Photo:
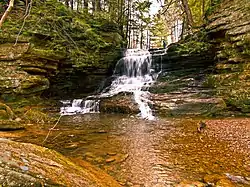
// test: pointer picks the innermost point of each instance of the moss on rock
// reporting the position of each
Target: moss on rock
(55, 46)
(24, 164)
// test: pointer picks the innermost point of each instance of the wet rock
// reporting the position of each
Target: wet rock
(12, 178)
(18, 119)
(191, 183)
(89, 154)
(111, 159)
(117, 158)
(111, 153)
(192, 103)
(10, 125)
(247, 166)
(99, 159)
(237, 179)
(122, 157)
(24, 164)
(213, 178)
(101, 131)
(71, 145)
(121, 103)
(224, 183)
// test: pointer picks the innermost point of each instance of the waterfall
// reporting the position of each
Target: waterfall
(132, 74)
(80, 106)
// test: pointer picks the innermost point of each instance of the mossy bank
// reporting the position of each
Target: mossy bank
(54, 52)
(207, 73)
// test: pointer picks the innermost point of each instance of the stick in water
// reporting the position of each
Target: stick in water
(51, 129)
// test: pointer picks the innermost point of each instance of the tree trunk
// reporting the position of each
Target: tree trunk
(93, 6)
(78, 5)
(127, 36)
(183, 28)
(98, 5)
(72, 4)
(187, 12)
(121, 18)
(6, 13)
(86, 4)
(141, 42)
(67, 3)
(203, 8)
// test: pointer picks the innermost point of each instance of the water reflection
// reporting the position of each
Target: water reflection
(145, 153)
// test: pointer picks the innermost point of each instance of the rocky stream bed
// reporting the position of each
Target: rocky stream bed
(165, 152)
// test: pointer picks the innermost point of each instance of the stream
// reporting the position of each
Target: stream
(139, 152)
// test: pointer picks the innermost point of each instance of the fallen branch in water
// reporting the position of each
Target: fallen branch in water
(51, 129)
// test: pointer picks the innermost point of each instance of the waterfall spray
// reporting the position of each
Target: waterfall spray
(133, 73)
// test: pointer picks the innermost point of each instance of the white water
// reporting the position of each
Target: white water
(132, 74)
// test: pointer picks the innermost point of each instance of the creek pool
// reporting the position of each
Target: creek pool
(138, 152)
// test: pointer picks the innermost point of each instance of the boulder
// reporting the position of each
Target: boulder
(121, 103)
(23, 164)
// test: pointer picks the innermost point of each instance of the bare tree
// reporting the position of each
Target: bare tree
(86, 4)
(98, 5)
(188, 13)
(72, 4)
(6, 13)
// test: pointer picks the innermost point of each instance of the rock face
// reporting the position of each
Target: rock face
(180, 90)
(23, 164)
(63, 55)
(21, 75)
(209, 71)
(229, 32)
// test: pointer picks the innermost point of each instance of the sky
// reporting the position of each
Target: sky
(154, 7)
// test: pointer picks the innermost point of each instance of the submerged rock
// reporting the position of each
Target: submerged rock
(191, 183)
(23, 164)
(224, 183)
(213, 178)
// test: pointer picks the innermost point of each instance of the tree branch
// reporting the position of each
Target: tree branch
(27, 13)
(166, 7)
(6, 13)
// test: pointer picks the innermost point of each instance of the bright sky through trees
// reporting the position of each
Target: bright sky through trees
(154, 8)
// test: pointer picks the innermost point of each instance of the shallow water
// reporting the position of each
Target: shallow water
(144, 153)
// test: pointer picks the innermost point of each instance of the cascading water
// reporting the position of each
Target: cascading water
(132, 74)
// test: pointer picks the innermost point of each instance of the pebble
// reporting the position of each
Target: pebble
(111, 159)
(111, 153)
(101, 131)
(18, 119)
(24, 168)
(89, 154)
